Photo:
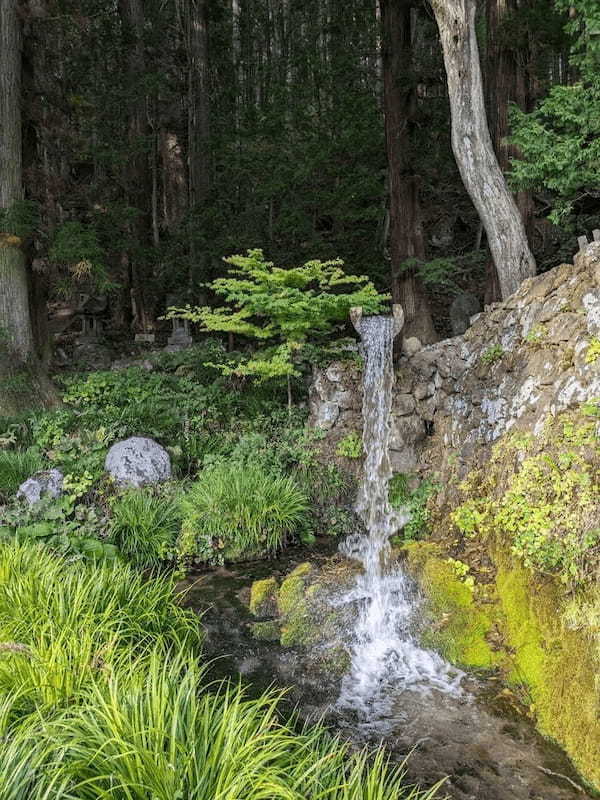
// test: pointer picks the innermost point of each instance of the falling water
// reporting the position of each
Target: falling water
(385, 656)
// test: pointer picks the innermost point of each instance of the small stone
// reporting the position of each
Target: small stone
(138, 461)
(411, 346)
(325, 415)
(46, 483)
(403, 404)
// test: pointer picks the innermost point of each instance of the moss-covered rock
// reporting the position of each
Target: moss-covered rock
(460, 625)
(267, 631)
(263, 598)
(516, 623)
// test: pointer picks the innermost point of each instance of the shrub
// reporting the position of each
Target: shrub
(15, 467)
(350, 446)
(68, 529)
(239, 510)
(144, 526)
(415, 501)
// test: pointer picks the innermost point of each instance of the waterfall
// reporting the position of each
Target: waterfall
(385, 656)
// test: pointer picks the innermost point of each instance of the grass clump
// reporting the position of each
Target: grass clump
(103, 697)
(144, 526)
(238, 510)
(15, 467)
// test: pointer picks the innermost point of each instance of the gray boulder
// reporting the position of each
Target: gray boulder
(138, 461)
(46, 483)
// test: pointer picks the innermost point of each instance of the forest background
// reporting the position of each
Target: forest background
(159, 137)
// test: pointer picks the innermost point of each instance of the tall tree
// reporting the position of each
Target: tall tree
(507, 80)
(139, 180)
(472, 145)
(15, 321)
(407, 241)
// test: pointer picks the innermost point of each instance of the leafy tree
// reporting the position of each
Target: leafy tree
(560, 139)
(282, 307)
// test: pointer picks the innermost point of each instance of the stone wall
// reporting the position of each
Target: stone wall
(520, 361)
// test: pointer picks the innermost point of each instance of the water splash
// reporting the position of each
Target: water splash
(385, 655)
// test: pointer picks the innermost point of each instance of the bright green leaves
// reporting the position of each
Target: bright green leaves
(288, 307)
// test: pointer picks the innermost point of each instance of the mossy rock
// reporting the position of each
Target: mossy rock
(266, 631)
(460, 628)
(263, 598)
(559, 666)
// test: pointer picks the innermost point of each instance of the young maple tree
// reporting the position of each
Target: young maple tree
(282, 308)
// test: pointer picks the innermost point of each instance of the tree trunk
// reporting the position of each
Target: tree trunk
(507, 81)
(198, 125)
(15, 322)
(406, 229)
(139, 178)
(472, 145)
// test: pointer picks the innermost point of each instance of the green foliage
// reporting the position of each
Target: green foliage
(559, 141)
(103, 697)
(238, 510)
(77, 247)
(144, 525)
(548, 508)
(63, 624)
(350, 446)
(536, 335)
(593, 351)
(15, 467)
(415, 501)
(21, 219)
(283, 306)
(61, 525)
(492, 354)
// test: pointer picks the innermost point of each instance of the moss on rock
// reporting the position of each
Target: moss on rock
(266, 631)
(558, 665)
(263, 598)
(460, 626)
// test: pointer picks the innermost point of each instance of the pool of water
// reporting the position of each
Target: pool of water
(480, 737)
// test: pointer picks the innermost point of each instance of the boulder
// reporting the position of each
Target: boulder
(138, 461)
(46, 483)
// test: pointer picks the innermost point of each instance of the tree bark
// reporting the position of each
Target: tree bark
(406, 228)
(15, 321)
(199, 166)
(472, 145)
(507, 80)
(139, 182)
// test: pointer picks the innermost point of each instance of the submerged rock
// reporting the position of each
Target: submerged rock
(138, 461)
(46, 483)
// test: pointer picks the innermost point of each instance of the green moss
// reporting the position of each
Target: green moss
(558, 665)
(266, 631)
(298, 627)
(459, 625)
(263, 597)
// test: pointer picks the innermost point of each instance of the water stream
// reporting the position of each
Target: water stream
(385, 655)
(469, 729)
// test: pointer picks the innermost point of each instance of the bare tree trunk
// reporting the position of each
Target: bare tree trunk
(472, 145)
(15, 321)
(406, 228)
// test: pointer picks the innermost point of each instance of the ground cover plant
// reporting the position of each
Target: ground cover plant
(103, 697)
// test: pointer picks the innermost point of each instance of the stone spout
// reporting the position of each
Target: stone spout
(356, 314)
